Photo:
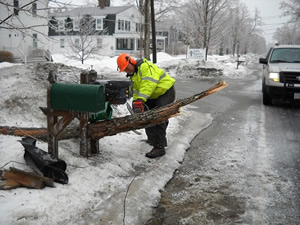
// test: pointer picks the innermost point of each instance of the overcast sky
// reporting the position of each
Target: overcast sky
(269, 11)
(271, 15)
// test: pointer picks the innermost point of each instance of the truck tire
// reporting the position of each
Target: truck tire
(267, 100)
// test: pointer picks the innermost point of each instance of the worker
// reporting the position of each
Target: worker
(152, 88)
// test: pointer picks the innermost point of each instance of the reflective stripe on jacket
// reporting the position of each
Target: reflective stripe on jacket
(150, 81)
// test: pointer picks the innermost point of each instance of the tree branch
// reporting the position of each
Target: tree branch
(11, 15)
(148, 118)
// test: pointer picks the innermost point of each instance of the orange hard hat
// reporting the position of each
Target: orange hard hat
(123, 61)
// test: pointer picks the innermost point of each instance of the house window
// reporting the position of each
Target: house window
(99, 24)
(77, 42)
(34, 7)
(16, 7)
(127, 25)
(61, 25)
(62, 43)
(137, 27)
(76, 25)
(160, 44)
(99, 42)
(122, 24)
(34, 41)
(68, 24)
(125, 44)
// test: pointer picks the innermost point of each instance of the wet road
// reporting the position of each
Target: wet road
(244, 168)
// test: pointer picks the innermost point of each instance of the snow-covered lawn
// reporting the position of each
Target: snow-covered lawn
(118, 186)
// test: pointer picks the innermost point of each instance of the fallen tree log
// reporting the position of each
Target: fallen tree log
(147, 119)
(117, 125)
(38, 133)
(17, 131)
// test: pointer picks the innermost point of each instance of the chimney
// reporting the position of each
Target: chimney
(104, 3)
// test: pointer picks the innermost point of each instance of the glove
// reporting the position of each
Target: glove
(138, 106)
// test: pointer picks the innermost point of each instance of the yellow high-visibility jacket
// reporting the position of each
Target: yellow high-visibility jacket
(150, 82)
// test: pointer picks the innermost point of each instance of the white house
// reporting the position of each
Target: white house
(116, 29)
(24, 27)
(25, 30)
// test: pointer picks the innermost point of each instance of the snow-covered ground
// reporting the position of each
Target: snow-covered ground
(118, 186)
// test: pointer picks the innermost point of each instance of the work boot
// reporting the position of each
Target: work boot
(156, 152)
(152, 143)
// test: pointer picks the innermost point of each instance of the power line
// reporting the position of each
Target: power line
(274, 24)
(273, 17)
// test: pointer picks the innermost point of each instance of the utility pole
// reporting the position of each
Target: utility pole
(147, 29)
(153, 32)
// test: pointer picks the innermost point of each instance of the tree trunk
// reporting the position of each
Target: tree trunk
(39, 133)
(148, 118)
(111, 127)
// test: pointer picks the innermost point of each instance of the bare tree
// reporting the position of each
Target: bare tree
(13, 22)
(257, 44)
(141, 8)
(86, 41)
(147, 29)
(252, 34)
(205, 14)
(240, 26)
(186, 27)
(162, 8)
(290, 32)
(236, 32)
(291, 8)
(165, 8)
(225, 26)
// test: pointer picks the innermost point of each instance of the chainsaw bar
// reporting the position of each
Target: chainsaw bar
(131, 112)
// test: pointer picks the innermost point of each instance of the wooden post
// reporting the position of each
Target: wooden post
(84, 77)
(51, 121)
(88, 145)
(84, 140)
(54, 127)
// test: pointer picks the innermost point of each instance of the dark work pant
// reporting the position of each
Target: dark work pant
(157, 134)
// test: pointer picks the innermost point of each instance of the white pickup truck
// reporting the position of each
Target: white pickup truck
(281, 73)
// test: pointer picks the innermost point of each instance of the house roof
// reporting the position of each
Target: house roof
(94, 11)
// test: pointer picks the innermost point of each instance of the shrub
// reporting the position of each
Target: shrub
(6, 56)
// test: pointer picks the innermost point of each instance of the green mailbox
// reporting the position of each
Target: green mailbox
(78, 97)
